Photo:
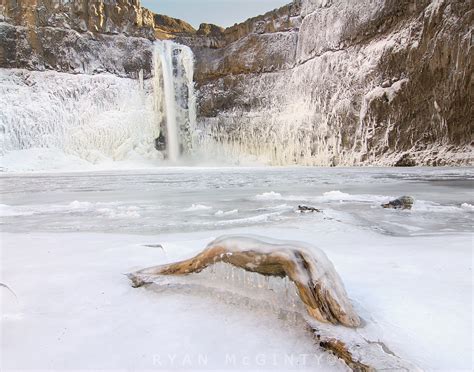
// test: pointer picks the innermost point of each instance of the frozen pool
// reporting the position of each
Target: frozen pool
(193, 199)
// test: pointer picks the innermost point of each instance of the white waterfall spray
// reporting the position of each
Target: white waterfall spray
(174, 68)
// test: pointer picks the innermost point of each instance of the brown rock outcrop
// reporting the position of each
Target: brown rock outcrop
(119, 16)
(168, 27)
(87, 36)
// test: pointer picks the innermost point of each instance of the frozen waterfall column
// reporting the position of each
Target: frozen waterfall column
(319, 286)
(174, 70)
(164, 53)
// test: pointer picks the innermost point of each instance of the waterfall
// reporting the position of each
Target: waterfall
(174, 69)
(99, 118)
(165, 54)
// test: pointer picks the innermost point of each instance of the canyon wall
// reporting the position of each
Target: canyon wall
(79, 36)
(340, 82)
(316, 82)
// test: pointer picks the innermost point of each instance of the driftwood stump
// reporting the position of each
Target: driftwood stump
(318, 284)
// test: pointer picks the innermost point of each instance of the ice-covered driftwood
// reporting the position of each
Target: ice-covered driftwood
(318, 284)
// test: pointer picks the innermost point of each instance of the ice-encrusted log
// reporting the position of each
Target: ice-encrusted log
(318, 284)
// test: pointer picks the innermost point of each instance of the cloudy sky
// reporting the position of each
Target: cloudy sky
(221, 12)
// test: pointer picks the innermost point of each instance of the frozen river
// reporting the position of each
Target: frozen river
(68, 237)
(189, 199)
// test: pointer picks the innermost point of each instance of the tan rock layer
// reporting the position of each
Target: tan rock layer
(119, 16)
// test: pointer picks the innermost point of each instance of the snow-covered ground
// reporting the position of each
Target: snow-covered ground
(68, 238)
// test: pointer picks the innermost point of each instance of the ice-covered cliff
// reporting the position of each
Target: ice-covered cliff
(320, 82)
(86, 79)
(341, 82)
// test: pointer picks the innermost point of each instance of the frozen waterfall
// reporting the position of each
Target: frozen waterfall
(175, 62)
(68, 120)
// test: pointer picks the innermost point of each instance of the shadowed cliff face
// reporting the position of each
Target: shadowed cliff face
(338, 82)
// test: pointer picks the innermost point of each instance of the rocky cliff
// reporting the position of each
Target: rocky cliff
(86, 80)
(321, 82)
(86, 36)
(75, 83)
(341, 82)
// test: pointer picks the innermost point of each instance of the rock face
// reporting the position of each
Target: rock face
(77, 78)
(340, 82)
(320, 82)
(168, 27)
(87, 36)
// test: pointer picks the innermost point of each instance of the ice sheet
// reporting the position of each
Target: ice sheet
(64, 250)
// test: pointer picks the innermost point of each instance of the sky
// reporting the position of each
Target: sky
(220, 12)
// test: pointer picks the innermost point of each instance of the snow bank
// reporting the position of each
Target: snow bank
(198, 207)
(269, 196)
(221, 213)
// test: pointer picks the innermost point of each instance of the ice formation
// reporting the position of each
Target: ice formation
(329, 84)
(233, 284)
(176, 63)
(317, 283)
(90, 116)
(100, 117)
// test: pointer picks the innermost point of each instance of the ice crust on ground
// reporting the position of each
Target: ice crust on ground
(271, 195)
(67, 273)
(198, 207)
(221, 213)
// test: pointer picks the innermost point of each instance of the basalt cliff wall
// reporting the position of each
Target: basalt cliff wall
(340, 82)
(320, 82)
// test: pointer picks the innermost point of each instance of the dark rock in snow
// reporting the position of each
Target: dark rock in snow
(306, 209)
(403, 202)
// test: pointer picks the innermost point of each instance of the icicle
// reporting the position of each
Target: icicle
(94, 117)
